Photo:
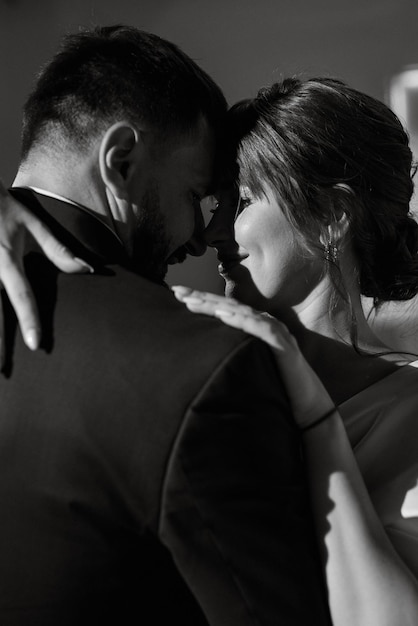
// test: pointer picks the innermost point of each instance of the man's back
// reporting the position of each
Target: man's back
(143, 448)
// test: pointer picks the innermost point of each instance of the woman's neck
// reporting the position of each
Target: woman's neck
(338, 342)
(327, 313)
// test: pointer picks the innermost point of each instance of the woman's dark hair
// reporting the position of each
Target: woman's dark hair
(119, 72)
(324, 148)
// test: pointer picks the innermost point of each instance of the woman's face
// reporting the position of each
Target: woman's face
(261, 258)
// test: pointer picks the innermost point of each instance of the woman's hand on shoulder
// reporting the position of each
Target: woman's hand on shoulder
(19, 229)
(307, 395)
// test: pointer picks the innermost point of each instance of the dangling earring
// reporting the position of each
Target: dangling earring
(331, 251)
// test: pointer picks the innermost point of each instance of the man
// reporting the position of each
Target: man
(149, 465)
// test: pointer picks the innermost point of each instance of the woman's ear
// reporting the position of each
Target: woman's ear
(118, 157)
(344, 198)
(336, 230)
(340, 197)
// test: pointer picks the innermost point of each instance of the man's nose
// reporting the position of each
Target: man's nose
(221, 227)
(216, 231)
(196, 246)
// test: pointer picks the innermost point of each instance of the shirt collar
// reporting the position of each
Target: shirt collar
(84, 232)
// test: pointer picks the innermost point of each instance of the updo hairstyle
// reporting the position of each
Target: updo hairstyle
(324, 149)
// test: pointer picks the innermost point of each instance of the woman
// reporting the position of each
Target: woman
(323, 219)
(324, 182)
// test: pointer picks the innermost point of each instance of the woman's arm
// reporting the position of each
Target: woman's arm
(19, 230)
(368, 584)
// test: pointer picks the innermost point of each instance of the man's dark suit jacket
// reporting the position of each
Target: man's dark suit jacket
(149, 467)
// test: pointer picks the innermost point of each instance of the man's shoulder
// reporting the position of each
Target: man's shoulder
(141, 314)
(165, 347)
(142, 327)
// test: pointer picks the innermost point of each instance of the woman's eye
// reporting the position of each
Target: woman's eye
(243, 202)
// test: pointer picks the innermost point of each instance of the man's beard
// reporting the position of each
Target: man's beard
(151, 243)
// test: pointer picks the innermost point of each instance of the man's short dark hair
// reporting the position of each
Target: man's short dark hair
(118, 72)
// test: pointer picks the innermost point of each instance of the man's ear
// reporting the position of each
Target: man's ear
(118, 157)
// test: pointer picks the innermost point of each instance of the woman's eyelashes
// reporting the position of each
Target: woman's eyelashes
(215, 204)
(243, 202)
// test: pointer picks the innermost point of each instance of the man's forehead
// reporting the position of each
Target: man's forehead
(195, 158)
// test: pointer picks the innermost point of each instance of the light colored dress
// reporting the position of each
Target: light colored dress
(382, 424)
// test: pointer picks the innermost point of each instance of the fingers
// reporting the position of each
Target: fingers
(205, 301)
(237, 315)
(187, 294)
(258, 325)
(56, 252)
(15, 222)
(21, 297)
(209, 303)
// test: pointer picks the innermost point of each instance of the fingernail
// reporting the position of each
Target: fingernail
(192, 300)
(84, 265)
(223, 313)
(32, 338)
